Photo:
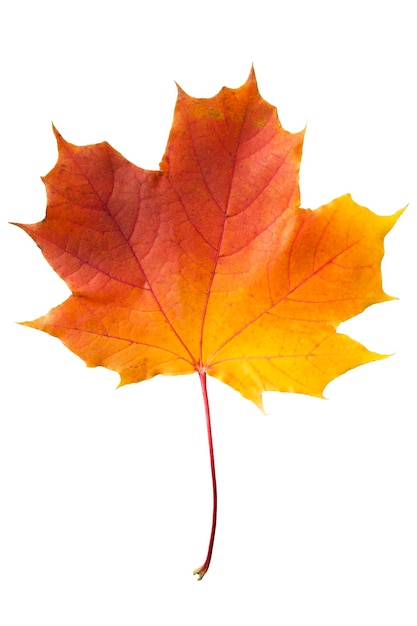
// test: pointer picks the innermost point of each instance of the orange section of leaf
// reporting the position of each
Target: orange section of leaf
(209, 264)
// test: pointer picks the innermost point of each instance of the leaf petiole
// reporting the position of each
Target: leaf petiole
(202, 570)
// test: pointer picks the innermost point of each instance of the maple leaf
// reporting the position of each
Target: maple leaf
(209, 265)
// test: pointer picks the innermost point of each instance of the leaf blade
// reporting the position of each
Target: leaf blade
(209, 264)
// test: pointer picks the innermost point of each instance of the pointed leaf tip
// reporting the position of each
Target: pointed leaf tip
(252, 74)
(56, 131)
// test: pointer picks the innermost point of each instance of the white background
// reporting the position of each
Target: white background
(105, 494)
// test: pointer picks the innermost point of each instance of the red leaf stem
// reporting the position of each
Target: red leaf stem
(202, 570)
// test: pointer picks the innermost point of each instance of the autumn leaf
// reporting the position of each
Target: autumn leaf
(209, 265)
